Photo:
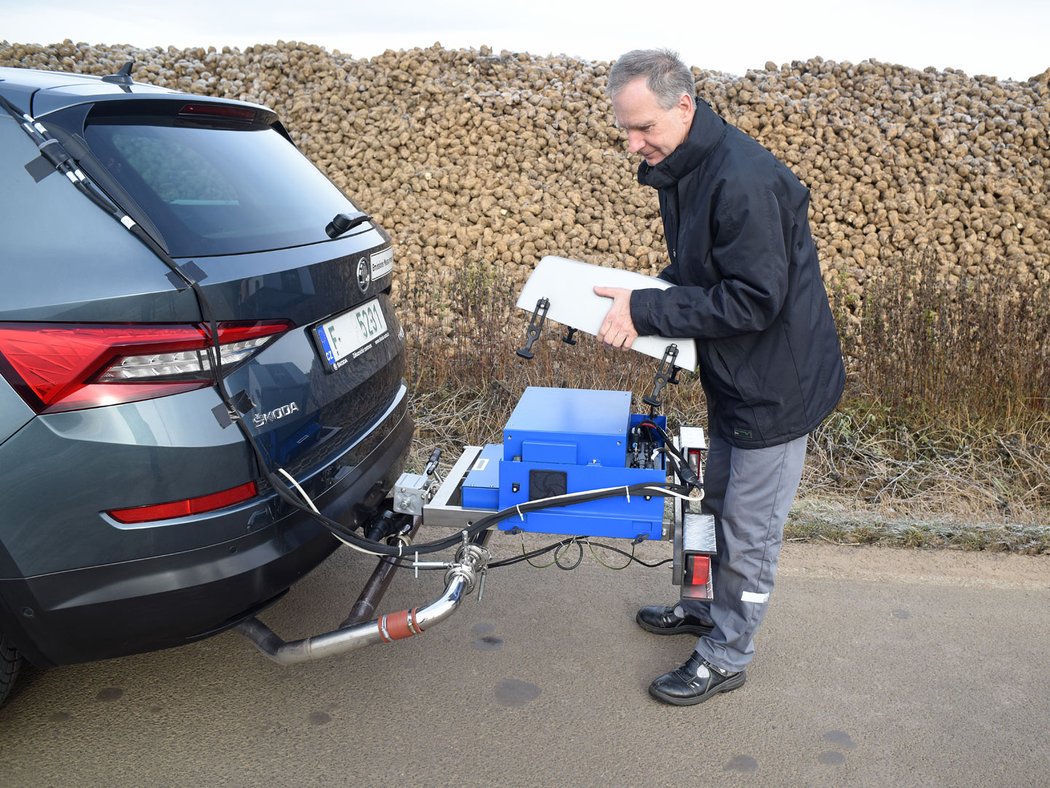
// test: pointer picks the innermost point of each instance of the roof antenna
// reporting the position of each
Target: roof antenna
(122, 77)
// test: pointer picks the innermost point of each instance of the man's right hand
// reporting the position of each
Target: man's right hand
(617, 328)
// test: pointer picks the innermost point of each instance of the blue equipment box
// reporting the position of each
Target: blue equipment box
(481, 485)
(560, 441)
(569, 427)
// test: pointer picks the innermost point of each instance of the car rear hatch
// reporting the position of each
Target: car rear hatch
(243, 214)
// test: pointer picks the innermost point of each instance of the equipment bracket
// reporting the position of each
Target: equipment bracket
(532, 333)
(666, 372)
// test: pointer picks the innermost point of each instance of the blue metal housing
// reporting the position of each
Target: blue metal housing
(573, 440)
(481, 485)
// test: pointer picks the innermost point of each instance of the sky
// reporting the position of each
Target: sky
(1010, 42)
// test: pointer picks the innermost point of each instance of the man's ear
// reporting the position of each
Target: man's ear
(685, 104)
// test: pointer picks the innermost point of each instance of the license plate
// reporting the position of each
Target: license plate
(347, 336)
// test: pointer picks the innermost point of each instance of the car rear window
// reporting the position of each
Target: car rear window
(215, 189)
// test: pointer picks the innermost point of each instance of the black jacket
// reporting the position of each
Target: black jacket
(750, 287)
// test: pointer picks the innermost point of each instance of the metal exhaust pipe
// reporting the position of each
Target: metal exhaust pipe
(371, 595)
(460, 580)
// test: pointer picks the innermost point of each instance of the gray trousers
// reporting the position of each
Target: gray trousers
(749, 492)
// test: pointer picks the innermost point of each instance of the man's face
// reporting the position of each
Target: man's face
(652, 131)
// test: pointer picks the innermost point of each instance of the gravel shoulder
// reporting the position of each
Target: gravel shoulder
(956, 568)
(970, 569)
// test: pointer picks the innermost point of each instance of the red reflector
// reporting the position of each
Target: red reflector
(698, 569)
(204, 503)
(695, 460)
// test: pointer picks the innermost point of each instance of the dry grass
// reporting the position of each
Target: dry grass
(965, 354)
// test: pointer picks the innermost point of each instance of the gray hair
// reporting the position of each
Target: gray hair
(665, 75)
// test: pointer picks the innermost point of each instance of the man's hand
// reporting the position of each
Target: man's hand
(617, 328)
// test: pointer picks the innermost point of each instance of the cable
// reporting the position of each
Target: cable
(579, 555)
(527, 557)
(632, 558)
(682, 469)
(598, 558)
(309, 502)
(306, 498)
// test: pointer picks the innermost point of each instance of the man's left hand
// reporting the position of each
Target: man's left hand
(617, 329)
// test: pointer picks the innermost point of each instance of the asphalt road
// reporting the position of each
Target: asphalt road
(875, 667)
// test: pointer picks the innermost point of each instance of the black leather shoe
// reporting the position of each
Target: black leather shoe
(694, 682)
(662, 620)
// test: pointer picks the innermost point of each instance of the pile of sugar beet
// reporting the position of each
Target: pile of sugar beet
(479, 160)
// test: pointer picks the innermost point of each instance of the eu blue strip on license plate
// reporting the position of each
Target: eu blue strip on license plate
(347, 336)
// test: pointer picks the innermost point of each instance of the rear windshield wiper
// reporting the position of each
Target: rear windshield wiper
(344, 222)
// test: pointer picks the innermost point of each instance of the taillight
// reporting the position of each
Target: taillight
(59, 366)
(184, 508)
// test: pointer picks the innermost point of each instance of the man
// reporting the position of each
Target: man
(748, 288)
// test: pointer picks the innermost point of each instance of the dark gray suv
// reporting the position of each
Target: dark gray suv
(141, 229)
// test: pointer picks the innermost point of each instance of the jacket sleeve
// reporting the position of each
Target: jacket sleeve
(668, 275)
(750, 256)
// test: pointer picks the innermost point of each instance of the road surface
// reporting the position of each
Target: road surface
(875, 667)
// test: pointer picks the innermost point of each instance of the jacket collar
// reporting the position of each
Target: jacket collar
(704, 136)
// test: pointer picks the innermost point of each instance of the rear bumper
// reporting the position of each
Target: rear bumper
(158, 602)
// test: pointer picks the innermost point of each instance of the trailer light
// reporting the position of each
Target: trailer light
(697, 570)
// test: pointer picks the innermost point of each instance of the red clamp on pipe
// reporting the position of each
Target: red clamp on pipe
(399, 625)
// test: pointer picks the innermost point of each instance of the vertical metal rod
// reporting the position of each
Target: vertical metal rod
(364, 608)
